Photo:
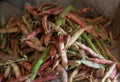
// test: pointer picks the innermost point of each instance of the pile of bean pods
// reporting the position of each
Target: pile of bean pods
(50, 43)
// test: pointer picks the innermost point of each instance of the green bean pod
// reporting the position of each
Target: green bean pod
(39, 63)
(63, 14)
